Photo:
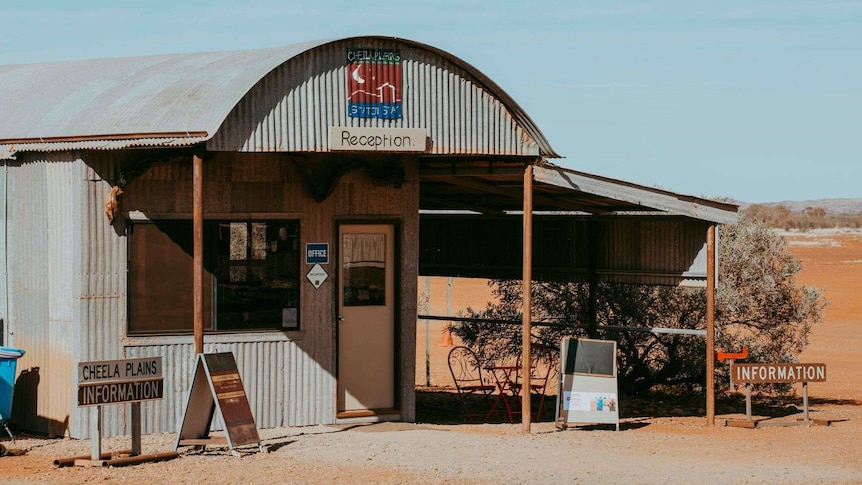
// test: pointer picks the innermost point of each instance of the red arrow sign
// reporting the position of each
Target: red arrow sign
(722, 355)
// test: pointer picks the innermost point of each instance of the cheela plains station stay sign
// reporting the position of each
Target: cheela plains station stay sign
(118, 381)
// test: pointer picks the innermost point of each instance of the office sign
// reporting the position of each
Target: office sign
(317, 253)
(119, 381)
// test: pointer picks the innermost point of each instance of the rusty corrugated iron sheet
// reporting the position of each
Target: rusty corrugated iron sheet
(41, 265)
(8, 151)
(462, 112)
(177, 93)
(654, 250)
(182, 96)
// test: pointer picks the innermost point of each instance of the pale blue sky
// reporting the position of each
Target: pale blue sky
(755, 100)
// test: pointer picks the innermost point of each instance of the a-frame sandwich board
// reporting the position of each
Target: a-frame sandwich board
(217, 385)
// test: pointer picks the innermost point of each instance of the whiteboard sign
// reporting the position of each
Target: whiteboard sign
(588, 383)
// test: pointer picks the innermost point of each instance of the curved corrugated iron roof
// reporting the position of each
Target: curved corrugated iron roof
(164, 96)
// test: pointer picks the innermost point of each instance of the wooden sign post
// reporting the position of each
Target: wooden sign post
(749, 374)
(114, 382)
(217, 386)
(588, 383)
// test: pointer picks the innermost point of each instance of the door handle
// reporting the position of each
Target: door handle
(339, 319)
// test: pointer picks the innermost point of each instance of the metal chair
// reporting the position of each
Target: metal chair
(543, 360)
(467, 374)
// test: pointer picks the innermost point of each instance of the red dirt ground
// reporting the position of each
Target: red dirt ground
(833, 263)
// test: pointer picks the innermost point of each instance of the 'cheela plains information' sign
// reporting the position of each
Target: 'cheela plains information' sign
(119, 381)
(777, 373)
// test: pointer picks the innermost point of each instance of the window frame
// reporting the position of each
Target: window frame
(211, 242)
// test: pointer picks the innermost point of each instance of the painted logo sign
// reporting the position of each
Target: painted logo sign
(373, 83)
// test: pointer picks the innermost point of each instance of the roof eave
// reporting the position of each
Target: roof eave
(685, 205)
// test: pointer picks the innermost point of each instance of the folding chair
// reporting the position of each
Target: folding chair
(467, 374)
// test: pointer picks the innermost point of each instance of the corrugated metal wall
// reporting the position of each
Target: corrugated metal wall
(42, 280)
(4, 263)
(652, 250)
(292, 108)
(290, 379)
(656, 251)
(279, 378)
(102, 286)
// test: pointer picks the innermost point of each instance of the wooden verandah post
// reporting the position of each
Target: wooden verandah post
(527, 285)
(710, 325)
(198, 265)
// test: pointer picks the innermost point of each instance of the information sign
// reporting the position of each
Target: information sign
(113, 382)
(119, 381)
(777, 373)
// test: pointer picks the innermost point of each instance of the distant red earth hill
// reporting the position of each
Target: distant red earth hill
(831, 206)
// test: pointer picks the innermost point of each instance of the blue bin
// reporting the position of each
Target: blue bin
(8, 360)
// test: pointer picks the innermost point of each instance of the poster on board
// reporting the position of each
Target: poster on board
(588, 383)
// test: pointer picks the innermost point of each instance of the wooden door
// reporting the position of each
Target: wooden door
(366, 314)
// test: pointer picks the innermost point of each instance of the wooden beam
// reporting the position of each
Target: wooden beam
(527, 315)
(468, 183)
(710, 325)
(443, 203)
(512, 193)
(425, 172)
(198, 268)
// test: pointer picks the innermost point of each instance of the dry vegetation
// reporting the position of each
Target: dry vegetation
(783, 216)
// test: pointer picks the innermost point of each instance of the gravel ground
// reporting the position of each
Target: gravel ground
(646, 450)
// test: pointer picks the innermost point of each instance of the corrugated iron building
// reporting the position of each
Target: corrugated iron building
(80, 287)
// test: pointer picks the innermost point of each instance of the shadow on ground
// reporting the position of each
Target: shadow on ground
(441, 405)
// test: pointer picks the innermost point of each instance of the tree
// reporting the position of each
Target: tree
(758, 301)
(758, 304)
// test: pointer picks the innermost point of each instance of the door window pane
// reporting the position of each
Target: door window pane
(363, 269)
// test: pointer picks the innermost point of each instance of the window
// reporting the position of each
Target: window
(251, 276)
(258, 275)
(363, 269)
